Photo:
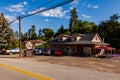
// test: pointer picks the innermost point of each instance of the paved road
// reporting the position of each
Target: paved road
(7, 74)
(57, 72)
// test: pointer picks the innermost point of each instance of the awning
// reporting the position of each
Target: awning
(105, 48)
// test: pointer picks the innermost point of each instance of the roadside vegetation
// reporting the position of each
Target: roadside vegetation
(109, 30)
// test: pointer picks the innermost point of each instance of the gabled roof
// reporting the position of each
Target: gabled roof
(85, 39)
(88, 37)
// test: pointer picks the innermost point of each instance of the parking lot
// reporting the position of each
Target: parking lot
(102, 64)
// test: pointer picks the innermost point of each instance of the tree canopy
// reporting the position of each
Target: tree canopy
(108, 29)
(7, 37)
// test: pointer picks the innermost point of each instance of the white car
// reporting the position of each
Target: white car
(13, 51)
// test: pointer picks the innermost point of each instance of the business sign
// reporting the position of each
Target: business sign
(29, 45)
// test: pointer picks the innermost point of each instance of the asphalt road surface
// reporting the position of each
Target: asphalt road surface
(48, 71)
(7, 74)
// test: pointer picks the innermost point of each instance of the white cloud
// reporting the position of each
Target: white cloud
(85, 16)
(92, 6)
(57, 12)
(32, 12)
(10, 18)
(71, 8)
(95, 6)
(40, 9)
(17, 7)
(25, 3)
(46, 20)
(22, 12)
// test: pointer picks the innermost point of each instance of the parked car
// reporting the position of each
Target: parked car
(47, 52)
(58, 53)
(12, 51)
(52, 51)
(39, 51)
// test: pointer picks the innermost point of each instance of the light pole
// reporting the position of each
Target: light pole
(20, 37)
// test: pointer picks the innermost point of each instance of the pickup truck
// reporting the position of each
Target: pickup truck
(12, 51)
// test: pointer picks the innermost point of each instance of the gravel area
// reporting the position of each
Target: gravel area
(101, 64)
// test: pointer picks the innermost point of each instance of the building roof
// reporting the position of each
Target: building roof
(88, 37)
(85, 39)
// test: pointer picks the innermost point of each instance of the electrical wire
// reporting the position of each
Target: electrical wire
(60, 4)
(38, 7)
(54, 6)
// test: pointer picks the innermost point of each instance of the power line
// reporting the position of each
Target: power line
(60, 4)
(13, 21)
(47, 9)
(38, 7)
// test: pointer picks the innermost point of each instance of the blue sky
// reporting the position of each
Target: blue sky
(90, 10)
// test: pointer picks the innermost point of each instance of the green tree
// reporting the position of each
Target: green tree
(73, 19)
(7, 37)
(16, 34)
(26, 36)
(86, 27)
(61, 30)
(76, 28)
(40, 34)
(32, 33)
(110, 29)
(49, 33)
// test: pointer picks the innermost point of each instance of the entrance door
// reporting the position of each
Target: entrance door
(87, 51)
(79, 51)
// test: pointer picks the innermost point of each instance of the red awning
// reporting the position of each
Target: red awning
(105, 48)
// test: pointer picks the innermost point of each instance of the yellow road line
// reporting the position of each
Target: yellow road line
(26, 72)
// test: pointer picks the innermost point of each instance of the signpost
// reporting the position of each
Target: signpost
(29, 48)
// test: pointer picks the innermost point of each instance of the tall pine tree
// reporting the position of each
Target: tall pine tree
(73, 20)
(7, 37)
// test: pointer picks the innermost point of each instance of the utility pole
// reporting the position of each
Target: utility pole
(20, 17)
(20, 37)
